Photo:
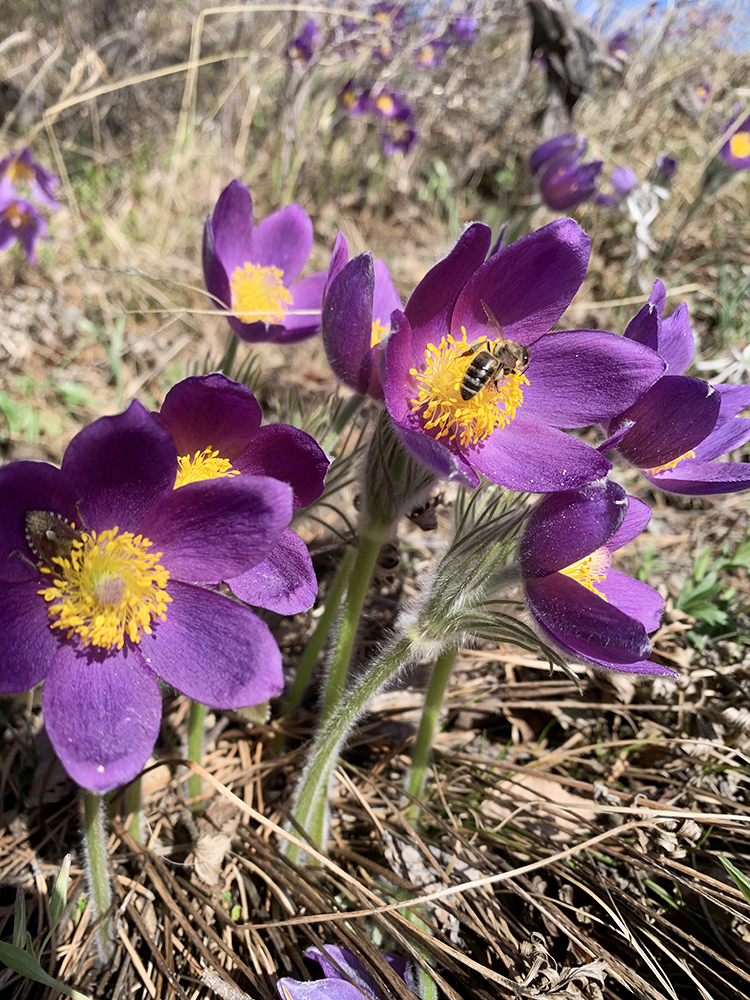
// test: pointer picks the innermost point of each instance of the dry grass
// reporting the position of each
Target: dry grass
(582, 830)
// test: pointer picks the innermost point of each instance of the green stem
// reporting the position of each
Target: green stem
(318, 639)
(195, 751)
(428, 726)
(97, 871)
(311, 809)
(133, 806)
(373, 538)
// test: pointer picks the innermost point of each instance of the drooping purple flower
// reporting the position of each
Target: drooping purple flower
(253, 271)
(467, 311)
(20, 169)
(736, 150)
(216, 426)
(677, 429)
(360, 297)
(564, 181)
(20, 220)
(590, 611)
(303, 46)
(106, 574)
(346, 977)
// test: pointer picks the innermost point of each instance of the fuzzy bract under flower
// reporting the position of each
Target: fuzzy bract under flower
(677, 429)
(216, 427)
(593, 613)
(253, 271)
(359, 299)
(468, 310)
(105, 574)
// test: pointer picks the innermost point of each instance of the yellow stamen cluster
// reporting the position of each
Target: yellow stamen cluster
(379, 332)
(109, 589)
(259, 295)
(590, 570)
(739, 144)
(16, 217)
(19, 172)
(670, 465)
(385, 104)
(439, 400)
(202, 465)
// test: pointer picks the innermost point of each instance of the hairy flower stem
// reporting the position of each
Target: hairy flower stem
(428, 727)
(374, 536)
(97, 871)
(311, 809)
(195, 751)
(322, 629)
(133, 808)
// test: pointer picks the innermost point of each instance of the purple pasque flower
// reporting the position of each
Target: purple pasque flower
(303, 46)
(677, 429)
(623, 180)
(590, 611)
(736, 150)
(359, 299)
(253, 271)
(346, 978)
(664, 169)
(20, 220)
(462, 30)
(355, 99)
(216, 426)
(20, 168)
(388, 104)
(399, 138)
(104, 568)
(431, 54)
(621, 44)
(564, 182)
(509, 429)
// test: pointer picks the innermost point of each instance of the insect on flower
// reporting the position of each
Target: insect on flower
(492, 360)
(50, 536)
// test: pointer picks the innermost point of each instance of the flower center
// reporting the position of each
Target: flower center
(108, 589)
(258, 294)
(205, 464)
(18, 172)
(440, 403)
(385, 105)
(740, 144)
(16, 217)
(670, 465)
(379, 332)
(590, 570)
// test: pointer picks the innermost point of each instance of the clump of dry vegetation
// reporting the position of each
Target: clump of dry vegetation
(570, 843)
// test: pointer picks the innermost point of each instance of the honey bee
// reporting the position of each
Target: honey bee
(491, 362)
(50, 536)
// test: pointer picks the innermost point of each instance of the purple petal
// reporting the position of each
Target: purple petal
(400, 357)
(29, 644)
(703, 478)
(580, 377)
(211, 411)
(433, 299)
(26, 486)
(536, 459)
(562, 145)
(347, 323)
(284, 582)
(565, 184)
(677, 343)
(122, 466)
(339, 259)
(385, 297)
(342, 964)
(218, 528)
(528, 285)
(634, 598)
(565, 527)
(283, 239)
(307, 294)
(585, 624)
(636, 518)
(441, 460)
(231, 227)
(645, 327)
(214, 650)
(290, 455)
(734, 399)
(320, 989)
(102, 714)
(724, 437)
(671, 418)
(214, 272)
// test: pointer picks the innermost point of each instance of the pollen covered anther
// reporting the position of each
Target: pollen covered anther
(206, 464)
(259, 295)
(110, 588)
(590, 570)
(670, 465)
(439, 401)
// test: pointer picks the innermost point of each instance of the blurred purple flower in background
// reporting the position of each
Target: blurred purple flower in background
(462, 31)
(621, 45)
(590, 611)
(359, 299)
(564, 182)
(355, 99)
(388, 104)
(623, 180)
(736, 150)
(104, 568)
(400, 138)
(664, 170)
(253, 271)
(20, 220)
(20, 169)
(303, 47)
(431, 54)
